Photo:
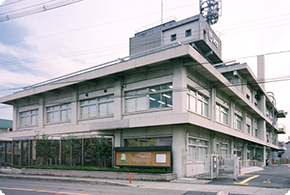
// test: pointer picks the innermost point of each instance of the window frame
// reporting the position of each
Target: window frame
(30, 115)
(58, 109)
(221, 111)
(96, 103)
(197, 146)
(188, 33)
(148, 92)
(198, 98)
(173, 37)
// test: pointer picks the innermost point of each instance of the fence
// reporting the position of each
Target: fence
(250, 163)
(212, 166)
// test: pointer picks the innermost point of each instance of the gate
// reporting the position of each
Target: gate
(211, 166)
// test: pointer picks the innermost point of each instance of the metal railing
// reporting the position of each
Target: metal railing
(250, 163)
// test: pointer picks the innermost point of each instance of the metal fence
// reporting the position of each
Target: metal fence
(250, 163)
(212, 166)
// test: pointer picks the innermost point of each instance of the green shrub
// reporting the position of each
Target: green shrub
(87, 168)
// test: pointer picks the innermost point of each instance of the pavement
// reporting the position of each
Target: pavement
(187, 184)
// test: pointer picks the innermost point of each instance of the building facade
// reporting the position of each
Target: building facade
(177, 93)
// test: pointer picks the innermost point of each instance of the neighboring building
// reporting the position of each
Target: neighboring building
(285, 155)
(178, 94)
(5, 125)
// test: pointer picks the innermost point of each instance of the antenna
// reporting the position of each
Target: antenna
(210, 10)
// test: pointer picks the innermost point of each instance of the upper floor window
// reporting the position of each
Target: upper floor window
(188, 33)
(197, 102)
(238, 119)
(173, 37)
(28, 118)
(101, 106)
(222, 114)
(159, 96)
(59, 113)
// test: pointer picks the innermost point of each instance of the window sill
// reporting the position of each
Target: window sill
(198, 114)
(97, 117)
(146, 111)
(224, 124)
(56, 123)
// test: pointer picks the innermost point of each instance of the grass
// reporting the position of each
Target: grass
(87, 168)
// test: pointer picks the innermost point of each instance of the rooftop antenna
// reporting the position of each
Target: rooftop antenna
(210, 10)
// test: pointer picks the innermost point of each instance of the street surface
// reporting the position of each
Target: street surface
(273, 176)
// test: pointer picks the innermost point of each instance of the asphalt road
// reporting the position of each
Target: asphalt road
(273, 176)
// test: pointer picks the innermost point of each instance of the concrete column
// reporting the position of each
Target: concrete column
(262, 131)
(213, 143)
(5, 151)
(74, 106)
(232, 145)
(261, 69)
(244, 121)
(118, 97)
(212, 104)
(245, 148)
(232, 115)
(179, 90)
(178, 151)
(29, 153)
(15, 118)
(118, 138)
(264, 155)
(41, 112)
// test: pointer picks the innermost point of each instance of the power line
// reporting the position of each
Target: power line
(18, 14)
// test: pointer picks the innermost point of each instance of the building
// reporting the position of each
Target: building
(5, 125)
(173, 90)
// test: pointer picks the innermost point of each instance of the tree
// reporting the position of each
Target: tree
(72, 147)
(43, 147)
(102, 150)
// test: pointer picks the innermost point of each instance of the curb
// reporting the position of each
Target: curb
(90, 181)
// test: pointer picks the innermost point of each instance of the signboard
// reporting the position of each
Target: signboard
(145, 158)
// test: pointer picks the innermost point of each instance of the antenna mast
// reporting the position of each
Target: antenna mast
(210, 10)
(161, 11)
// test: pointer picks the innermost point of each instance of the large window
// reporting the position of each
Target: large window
(155, 141)
(156, 97)
(28, 118)
(59, 113)
(197, 102)
(101, 106)
(222, 114)
(197, 149)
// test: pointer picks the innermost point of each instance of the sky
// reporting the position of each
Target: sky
(52, 43)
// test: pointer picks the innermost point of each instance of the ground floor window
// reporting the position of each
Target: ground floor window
(155, 141)
(197, 149)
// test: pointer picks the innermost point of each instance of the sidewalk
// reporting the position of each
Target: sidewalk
(185, 184)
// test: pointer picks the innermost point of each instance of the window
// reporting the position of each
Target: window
(224, 149)
(28, 118)
(248, 129)
(188, 33)
(158, 141)
(173, 37)
(197, 149)
(197, 102)
(238, 119)
(59, 113)
(256, 132)
(222, 114)
(156, 97)
(101, 106)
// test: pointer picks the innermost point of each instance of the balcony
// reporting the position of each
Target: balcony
(281, 114)
(281, 129)
(282, 146)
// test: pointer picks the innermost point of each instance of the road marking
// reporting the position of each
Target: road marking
(244, 182)
(33, 190)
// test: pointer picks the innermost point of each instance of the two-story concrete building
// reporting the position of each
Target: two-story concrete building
(173, 90)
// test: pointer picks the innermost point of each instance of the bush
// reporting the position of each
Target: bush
(86, 168)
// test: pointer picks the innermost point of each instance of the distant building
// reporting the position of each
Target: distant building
(5, 125)
(173, 90)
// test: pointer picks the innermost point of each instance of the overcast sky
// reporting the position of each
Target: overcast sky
(53, 43)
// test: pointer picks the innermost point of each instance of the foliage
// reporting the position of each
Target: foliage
(103, 150)
(73, 148)
(43, 147)
(87, 168)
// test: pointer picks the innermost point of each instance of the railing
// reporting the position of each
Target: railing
(250, 163)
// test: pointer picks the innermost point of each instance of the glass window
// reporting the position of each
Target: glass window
(158, 141)
(159, 96)
(28, 118)
(238, 122)
(197, 103)
(188, 33)
(222, 114)
(101, 106)
(59, 113)
(197, 149)
(173, 37)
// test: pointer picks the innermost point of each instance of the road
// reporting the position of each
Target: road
(273, 176)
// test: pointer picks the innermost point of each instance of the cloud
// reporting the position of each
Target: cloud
(288, 193)
(1, 193)
(1, 1)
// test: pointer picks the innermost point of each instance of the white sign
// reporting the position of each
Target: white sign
(212, 39)
(160, 158)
